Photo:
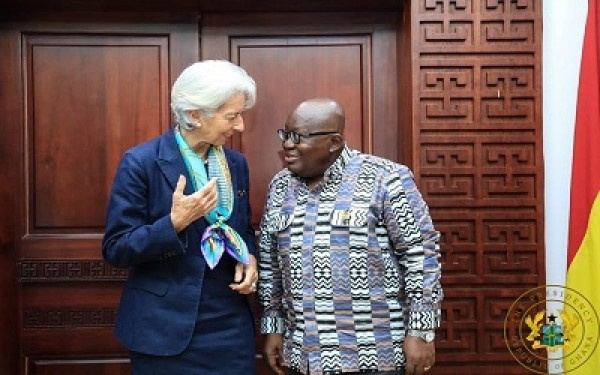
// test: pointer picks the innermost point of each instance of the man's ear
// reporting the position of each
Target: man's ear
(337, 143)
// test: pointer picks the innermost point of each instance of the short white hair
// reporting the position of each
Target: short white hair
(206, 86)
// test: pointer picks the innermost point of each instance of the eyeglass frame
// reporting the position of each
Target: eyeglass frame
(284, 135)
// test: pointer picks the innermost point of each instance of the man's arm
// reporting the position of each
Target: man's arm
(416, 243)
(270, 276)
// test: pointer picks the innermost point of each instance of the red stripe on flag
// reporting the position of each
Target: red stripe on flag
(585, 180)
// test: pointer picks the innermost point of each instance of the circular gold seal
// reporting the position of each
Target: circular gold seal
(551, 329)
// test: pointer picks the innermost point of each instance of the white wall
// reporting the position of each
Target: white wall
(563, 26)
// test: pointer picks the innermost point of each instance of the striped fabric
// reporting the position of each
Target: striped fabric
(347, 267)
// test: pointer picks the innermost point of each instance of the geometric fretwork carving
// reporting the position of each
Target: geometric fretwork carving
(494, 110)
(447, 94)
(509, 185)
(473, 324)
(508, 5)
(508, 233)
(476, 132)
(448, 186)
(479, 248)
(448, 156)
(504, 27)
(440, 6)
(68, 270)
(458, 244)
(509, 156)
(508, 31)
(444, 109)
(447, 32)
(516, 81)
(508, 94)
(510, 247)
(480, 171)
(68, 318)
(444, 79)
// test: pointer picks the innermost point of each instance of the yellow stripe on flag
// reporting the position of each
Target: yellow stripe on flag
(583, 276)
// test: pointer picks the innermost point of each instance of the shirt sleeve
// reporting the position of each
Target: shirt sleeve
(270, 290)
(416, 243)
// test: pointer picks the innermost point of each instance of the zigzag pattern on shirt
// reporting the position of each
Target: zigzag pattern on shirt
(322, 272)
(409, 229)
(325, 267)
(295, 271)
(330, 361)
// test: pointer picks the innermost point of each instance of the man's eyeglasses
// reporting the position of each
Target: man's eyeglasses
(296, 137)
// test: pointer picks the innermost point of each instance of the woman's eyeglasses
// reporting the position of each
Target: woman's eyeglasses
(296, 137)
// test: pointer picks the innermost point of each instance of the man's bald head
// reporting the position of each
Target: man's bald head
(320, 114)
(318, 125)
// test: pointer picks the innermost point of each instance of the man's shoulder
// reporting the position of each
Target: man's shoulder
(382, 165)
(281, 178)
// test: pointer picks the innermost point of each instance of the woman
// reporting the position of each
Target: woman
(179, 218)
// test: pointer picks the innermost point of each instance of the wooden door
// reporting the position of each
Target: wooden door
(349, 57)
(85, 91)
(81, 93)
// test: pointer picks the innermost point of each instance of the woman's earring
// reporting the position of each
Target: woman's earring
(198, 125)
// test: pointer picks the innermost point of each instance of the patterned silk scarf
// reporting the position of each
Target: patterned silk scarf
(218, 236)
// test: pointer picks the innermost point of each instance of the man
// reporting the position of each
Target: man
(348, 264)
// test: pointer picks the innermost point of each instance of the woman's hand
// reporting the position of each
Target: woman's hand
(244, 281)
(188, 208)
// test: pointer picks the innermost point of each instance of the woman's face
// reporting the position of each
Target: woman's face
(221, 125)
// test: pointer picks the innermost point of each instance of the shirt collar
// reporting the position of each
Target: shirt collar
(336, 170)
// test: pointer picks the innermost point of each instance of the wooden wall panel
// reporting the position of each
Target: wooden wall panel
(299, 68)
(451, 88)
(90, 90)
(347, 56)
(113, 93)
(112, 89)
(80, 367)
(477, 154)
(11, 130)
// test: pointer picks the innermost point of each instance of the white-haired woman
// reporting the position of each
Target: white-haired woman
(179, 219)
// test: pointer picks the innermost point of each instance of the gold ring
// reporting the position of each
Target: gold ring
(426, 368)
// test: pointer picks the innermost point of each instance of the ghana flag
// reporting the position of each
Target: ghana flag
(583, 257)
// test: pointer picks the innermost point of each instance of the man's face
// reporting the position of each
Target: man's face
(310, 157)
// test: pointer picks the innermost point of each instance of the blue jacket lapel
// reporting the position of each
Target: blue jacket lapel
(171, 163)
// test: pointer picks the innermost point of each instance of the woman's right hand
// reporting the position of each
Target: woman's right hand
(188, 208)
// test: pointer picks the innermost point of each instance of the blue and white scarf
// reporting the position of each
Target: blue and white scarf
(218, 236)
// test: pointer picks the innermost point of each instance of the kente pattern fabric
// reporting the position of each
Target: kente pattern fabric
(347, 267)
(218, 237)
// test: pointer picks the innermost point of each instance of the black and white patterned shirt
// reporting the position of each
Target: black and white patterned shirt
(348, 266)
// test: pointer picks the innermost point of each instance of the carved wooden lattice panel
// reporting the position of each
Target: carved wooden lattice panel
(477, 154)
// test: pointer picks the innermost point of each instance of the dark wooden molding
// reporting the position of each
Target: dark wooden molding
(69, 318)
(56, 270)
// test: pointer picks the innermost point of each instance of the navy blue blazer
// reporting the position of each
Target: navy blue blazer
(159, 304)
